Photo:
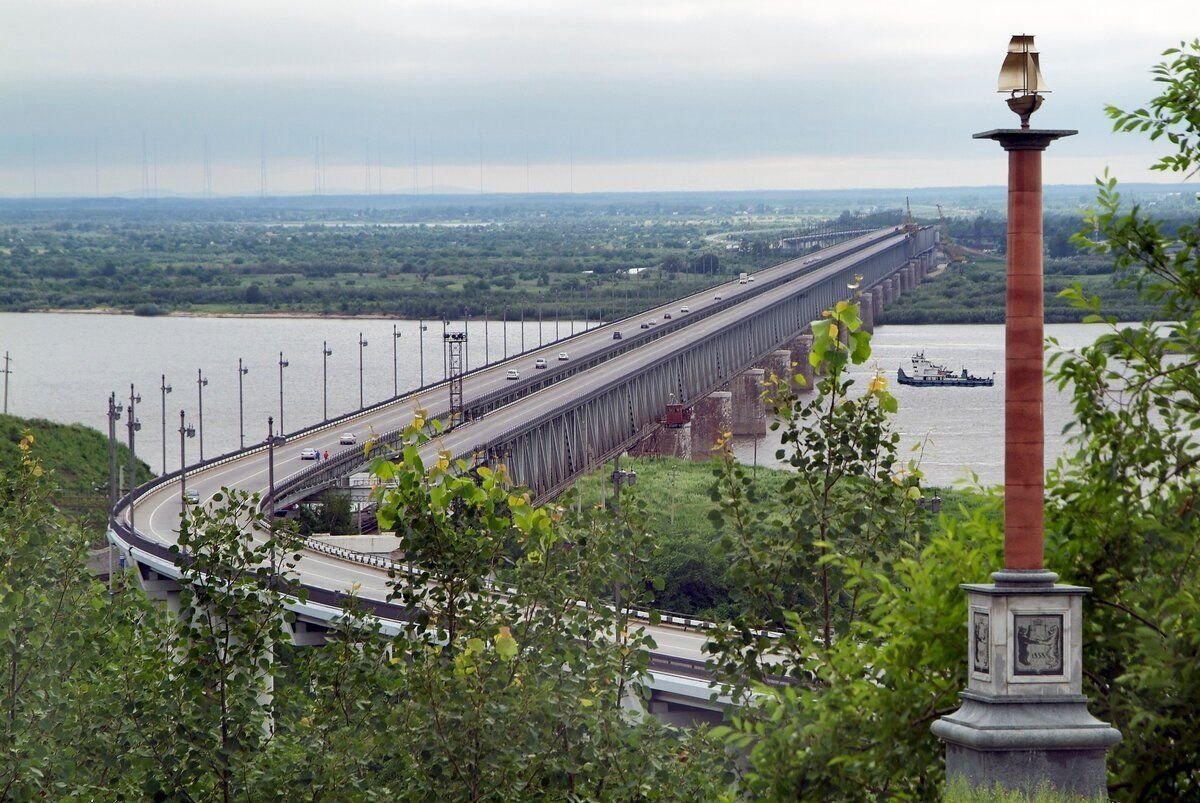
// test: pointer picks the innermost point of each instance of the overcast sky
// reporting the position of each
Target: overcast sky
(556, 95)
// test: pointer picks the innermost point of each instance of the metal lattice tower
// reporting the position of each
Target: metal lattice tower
(455, 343)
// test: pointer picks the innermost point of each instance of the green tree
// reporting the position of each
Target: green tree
(1123, 507)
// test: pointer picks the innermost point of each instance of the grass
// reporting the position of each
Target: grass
(677, 495)
(76, 459)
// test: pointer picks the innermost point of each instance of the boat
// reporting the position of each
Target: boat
(926, 374)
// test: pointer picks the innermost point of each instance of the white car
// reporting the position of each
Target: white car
(513, 374)
(539, 363)
(653, 322)
(749, 278)
(717, 297)
(309, 454)
(348, 438)
(685, 310)
(191, 496)
(563, 356)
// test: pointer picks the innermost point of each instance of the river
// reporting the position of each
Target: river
(65, 365)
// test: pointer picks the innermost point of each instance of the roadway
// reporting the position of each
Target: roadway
(157, 512)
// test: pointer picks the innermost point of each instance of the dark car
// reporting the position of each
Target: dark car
(666, 316)
(645, 326)
(616, 335)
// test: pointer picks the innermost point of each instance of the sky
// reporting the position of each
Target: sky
(105, 97)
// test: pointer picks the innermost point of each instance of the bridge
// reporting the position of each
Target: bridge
(548, 426)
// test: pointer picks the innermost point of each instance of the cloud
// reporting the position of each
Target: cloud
(599, 83)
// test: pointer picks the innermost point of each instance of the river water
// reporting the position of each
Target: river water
(953, 431)
(65, 365)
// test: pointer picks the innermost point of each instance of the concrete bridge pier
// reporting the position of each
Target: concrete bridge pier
(669, 442)
(866, 311)
(779, 364)
(749, 412)
(891, 289)
(876, 303)
(802, 370)
(712, 417)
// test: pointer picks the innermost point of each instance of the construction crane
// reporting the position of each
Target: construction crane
(910, 225)
(953, 252)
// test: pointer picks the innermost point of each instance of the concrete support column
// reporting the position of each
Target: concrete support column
(866, 311)
(671, 442)
(712, 417)
(749, 413)
(876, 302)
(802, 370)
(778, 363)
(888, 293)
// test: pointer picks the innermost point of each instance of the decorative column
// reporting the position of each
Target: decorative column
(1024, 720)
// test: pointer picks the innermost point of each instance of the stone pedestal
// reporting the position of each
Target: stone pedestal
(749, 412)
(712, 417)
(1024, 719)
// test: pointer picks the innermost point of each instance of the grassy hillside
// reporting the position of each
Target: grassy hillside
(677, 495)
(76, 459)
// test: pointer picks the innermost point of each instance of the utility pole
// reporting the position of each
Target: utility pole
(185, 431)
(201, 383)
(326, 353)
(242, 371)
(165, 388)
(114, 415)
(7, 372)
(134, 425)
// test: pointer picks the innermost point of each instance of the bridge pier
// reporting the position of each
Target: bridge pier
(712, 417)
(778, 364)
(675, 441)
(866, 311)
(876, 303)
(802, 370)
(889, 290)
(749, 413)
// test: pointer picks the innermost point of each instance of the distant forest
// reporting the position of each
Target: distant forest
(581, 256)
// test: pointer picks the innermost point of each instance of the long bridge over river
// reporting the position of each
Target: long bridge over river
(549, 426)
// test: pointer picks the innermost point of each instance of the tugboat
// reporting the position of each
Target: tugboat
(926, 374)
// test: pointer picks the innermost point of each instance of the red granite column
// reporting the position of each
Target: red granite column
(1024, 458)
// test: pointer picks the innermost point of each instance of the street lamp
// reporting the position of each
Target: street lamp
(421, 336)
(326, 353)
(134, 426)
(619, 479)
(185, 431)
(362, 344)
(242, 371)
(282, 364)
(395, 366)
(201, 383)
(273, 440)
(114, 415)
(165, 388)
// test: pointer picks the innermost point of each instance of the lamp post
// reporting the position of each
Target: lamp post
(134, 426)
(395, 365)
(421, 338)
(242, 371)
(114, 415)
(7, 373)
(201, 383)
(165, 388)
(326, 353)
(273, 440)
(282, 364)
(185, 431)
(619, 480)
(1024, 720)
(362, 344)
